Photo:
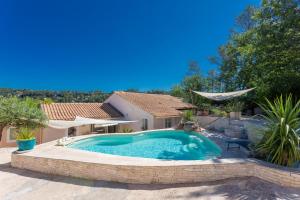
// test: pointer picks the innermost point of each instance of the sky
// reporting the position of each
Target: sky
(110, 44)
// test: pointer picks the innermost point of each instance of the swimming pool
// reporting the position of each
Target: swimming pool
(165, 145)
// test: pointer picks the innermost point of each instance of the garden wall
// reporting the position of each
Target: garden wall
(163, 172)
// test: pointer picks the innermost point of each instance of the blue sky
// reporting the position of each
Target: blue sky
(109, 45)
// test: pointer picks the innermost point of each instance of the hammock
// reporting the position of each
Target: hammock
(223, 96)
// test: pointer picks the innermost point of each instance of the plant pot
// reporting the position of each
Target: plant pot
(25, 145)
(235, 115)
(189, 126)
(205, 112)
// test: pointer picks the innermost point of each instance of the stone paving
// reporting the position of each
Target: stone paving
(18, 184)
(219, 139)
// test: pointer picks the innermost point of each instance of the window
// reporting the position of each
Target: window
(11, 134)
(144, 124)
(112, 129)
(168, 123)
(71, 131)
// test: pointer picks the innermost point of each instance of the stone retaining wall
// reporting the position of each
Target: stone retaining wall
(165, 174)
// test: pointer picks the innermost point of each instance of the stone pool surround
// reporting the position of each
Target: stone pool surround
(51, 159)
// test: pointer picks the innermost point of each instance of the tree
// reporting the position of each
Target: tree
(21, 113)
(177, 91)
(47, 101)
(192, 82)
(264, 50)
(212, 79)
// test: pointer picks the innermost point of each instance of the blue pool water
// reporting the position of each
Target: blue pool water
(168, 145)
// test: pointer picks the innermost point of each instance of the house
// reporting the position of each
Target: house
(152, 111)
(67, 112)
(138, 111)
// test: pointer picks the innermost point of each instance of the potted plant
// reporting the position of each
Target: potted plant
(187, 116)
(235, 110)
(25, 115)
(205, 109)
(188, 120)
(25, 139)
(127, 130)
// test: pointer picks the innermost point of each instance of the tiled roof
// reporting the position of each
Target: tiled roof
(158, 105)
(69, 111)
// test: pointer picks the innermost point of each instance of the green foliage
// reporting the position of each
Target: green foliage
(205, 106)
(133, 90)
(280, 144)
(218, 112)
(47, 101)
(234, 106)
(25, 133)
(187, 115)
(21, 113)
(157, 91)
(177, 91)
(127, 130)
(263, 51)
(56, 96)
(191, 82)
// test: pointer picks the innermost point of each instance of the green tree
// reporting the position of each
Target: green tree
(212, 80)
(21, 113)
(264, 50)
(177, 91)
(192, 82)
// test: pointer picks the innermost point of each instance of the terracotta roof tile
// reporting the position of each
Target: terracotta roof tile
(69, 111)
(158, 105)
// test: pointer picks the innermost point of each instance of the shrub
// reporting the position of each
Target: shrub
(280, 143)
(218, 112)
(127, 130)
(234, 106)
(187, 115)
(25, 133)
(24, 114)
(205, 106)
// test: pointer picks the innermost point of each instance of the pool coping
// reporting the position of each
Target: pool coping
(52, 159)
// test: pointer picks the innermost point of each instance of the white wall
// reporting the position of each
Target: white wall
(83, 130)
(159, 123)
(50, 134)
(131, 112)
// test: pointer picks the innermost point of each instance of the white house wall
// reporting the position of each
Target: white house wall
(159, 123)
(50, 134)
(83, 130)
(131, 112)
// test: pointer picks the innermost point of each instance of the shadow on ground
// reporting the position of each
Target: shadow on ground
(242, 189)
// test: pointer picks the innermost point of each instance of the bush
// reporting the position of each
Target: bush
(187, 115)
(25, 133)
(127, 130)
(218, 112)
(234, 106)
(24, 114)
(205, 106)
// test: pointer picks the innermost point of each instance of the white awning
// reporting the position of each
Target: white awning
(80, 121)
(62, 124)
(223, 96)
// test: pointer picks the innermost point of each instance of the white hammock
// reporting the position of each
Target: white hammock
(223, 96)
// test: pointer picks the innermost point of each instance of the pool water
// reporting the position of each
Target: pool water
(167, 145)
